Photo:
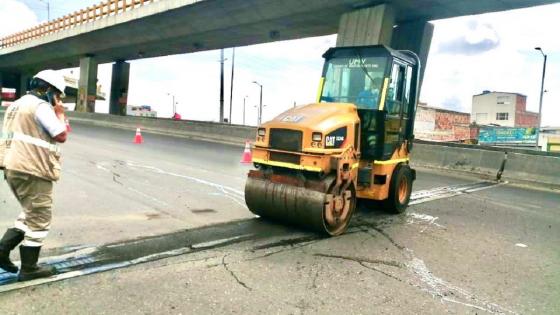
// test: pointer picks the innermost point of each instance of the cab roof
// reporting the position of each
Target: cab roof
(368, 51)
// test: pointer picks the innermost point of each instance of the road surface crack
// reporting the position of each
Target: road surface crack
(234, 275)
(390, 263)
(315, 277)
(289, 247)
(380, 271)
(115, 176)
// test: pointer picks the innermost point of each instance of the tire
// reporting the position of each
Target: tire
(399, 190)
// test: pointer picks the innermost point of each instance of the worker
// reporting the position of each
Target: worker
(30, 158)
(368, 98)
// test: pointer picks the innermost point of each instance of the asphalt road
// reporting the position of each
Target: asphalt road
(489, 251)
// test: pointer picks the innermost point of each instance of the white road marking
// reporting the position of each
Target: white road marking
(428, 195)
(521, 245)
(218, 242)
(430, 220)
(225, 191)
(439, 288)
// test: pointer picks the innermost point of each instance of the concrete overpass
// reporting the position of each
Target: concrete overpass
(121, 30)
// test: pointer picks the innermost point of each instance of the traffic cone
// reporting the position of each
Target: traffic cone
(247, 157)
(138, 139)
(68, 127)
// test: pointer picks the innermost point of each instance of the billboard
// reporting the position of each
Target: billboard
(507, 135)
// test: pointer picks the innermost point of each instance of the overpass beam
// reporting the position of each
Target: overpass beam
(415, 36)
(119, 88)
(368, 26)
(87, 85)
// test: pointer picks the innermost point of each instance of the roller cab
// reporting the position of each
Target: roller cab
(314, 161)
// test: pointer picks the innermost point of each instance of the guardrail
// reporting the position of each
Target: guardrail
(89, 14)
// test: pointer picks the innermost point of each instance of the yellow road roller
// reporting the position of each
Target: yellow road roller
(314, 161)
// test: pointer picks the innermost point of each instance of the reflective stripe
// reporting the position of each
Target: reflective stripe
(16, 136)
(320, 90)
(30, 243)
(20, 225)
(384, 93)
(37, 234)
(391, 161)
(289, 165)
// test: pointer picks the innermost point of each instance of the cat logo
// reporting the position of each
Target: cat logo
(330, 140)
(292, 119)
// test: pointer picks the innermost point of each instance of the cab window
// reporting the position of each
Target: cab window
(356, 80)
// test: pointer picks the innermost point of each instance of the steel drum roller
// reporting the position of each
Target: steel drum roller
(286, 203)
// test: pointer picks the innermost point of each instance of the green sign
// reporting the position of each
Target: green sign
(507, 135)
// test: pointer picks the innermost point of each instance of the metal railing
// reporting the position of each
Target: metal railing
(89, 14)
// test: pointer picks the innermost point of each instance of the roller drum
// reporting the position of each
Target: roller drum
(286, 203)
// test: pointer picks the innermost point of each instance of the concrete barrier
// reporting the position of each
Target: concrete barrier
(522, 166)
(222, 133)
(472, 160)
(529, 168)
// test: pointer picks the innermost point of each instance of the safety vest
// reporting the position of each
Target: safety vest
(24, 145)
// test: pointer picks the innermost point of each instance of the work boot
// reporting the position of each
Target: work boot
(9, 241)
(29, 268)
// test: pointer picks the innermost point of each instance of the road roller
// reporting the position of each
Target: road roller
(313, 162)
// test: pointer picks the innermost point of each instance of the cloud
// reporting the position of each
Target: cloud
(453, 103)
(511, 66)
(477, 39)
(14, 17)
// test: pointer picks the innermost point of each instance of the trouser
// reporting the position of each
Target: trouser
(35, 197)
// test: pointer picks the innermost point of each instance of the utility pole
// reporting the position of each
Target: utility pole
(542, 92)
(231, 87)
(222, 85)
(259, 120)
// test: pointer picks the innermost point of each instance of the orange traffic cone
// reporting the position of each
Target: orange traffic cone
(68, 127)
(247, 157)
(138, 137)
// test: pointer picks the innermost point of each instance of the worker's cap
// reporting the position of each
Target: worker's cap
(53, 78)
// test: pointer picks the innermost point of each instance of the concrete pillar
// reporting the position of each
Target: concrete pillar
(1, 85)
(87, 85)
(415, 36)
(119, 88)
(369, 26)
(24, 80)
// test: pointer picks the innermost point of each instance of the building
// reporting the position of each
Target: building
(437, 124)
(549, 139)
(502, 109)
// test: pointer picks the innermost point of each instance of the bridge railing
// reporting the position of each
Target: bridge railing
(89, 14)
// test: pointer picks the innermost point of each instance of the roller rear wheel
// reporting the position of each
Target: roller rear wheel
(338, 209)
(400, 189)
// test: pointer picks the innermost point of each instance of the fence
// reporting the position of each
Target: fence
(89, 14)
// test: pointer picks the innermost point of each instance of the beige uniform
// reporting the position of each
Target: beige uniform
(31, 159)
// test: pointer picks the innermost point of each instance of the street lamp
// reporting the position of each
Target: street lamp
(244, 98)
(48, 9)
(260, 103)
(542, 83)
(542, 89)
(174, 104)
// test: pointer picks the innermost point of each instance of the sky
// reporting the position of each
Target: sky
(493, 51)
